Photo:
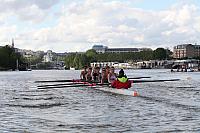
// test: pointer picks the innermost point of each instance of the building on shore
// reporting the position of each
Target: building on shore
(105, 49)
(117, 65)
(150, 64)
(133, 65)
(103, 64)
(186, 51)
(48, 57)
(186, 65)
(100, 48)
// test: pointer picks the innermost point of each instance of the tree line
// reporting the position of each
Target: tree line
(79, 60)
(9, 58)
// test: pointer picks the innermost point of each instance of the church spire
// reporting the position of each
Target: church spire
(13, 44)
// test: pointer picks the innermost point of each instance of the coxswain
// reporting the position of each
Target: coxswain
(122, 81)
(96, 74)
(89, 74)
(104, 76)
(112, 75)
(83, 73)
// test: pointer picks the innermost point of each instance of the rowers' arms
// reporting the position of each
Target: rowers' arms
(92, 76)
(99, 77)
(102, 78)
(81, 75)
(109, 78)
(109, 75)
(86, 77)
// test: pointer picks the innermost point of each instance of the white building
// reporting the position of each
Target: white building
(48, 57)
(115, 64)
(100, 48)
(105, 49)
(150, 64)
(103, 64)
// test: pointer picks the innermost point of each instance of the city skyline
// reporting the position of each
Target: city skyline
(64, 26)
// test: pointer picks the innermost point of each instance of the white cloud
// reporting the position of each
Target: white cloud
(3, 17)
(114, 23)
(27, 10)
(4, 34)
(196, 25)
(7, 5)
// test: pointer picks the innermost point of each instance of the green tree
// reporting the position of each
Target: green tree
(91, 55)
(79, 60)
(160, 54)
(33, 60)
(46, 65)
(8, 58)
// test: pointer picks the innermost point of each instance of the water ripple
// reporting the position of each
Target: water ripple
(161, 107)
(41, 106)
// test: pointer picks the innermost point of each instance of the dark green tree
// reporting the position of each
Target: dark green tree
(160, 54)
(8, 58)
(79, 60)
(91, 55)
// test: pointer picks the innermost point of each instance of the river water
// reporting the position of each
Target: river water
(161, 107)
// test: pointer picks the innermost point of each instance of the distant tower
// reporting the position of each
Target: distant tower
(13, 44)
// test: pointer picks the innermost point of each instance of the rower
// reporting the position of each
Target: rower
(107, 70)
(89, 74)
(83, 73)
(112, 75)
(96, 74)
(122, 81)
(104, 76)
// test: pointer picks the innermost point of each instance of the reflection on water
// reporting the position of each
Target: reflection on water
(161, 107)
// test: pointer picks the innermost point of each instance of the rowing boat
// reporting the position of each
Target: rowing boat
(116, 91)
(103, 87)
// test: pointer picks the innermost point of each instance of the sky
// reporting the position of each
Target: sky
(77, 25)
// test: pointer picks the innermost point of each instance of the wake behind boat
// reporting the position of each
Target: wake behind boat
(117, 91)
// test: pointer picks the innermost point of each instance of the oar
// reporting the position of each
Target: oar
(89, 84)
(139, 77)
(143, 81)
(73, 85)
(65, 86)
(86, 83)
(76, 80)
(68, 80)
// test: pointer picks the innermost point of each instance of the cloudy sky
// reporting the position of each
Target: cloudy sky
(76, 25)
